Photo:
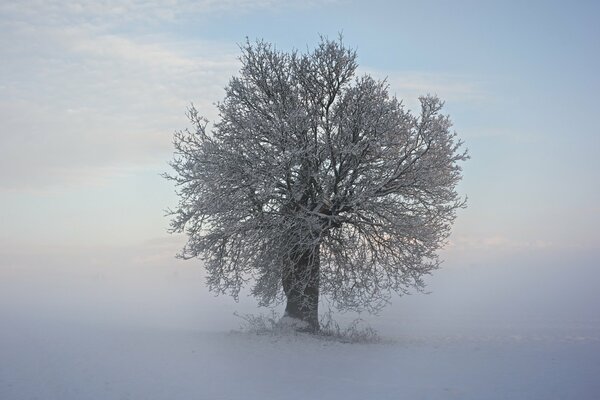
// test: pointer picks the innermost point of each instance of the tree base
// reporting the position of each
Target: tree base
(301, 319)
(288, 323)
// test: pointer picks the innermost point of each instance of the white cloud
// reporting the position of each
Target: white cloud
(495, 242)
(75, 101)
(465, 251)
(110, 12)
(409, 86)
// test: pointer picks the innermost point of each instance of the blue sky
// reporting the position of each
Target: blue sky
(91, 92)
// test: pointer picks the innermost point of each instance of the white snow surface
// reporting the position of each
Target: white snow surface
(153, 332)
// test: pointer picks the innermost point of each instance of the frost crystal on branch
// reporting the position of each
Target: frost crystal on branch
(316, 182)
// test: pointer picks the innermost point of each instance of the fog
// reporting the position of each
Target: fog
(134, 322)
(528, 292)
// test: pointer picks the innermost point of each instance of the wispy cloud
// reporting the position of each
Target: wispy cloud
(495, 242)
(113, 12)
(77, 99)
(410, 85)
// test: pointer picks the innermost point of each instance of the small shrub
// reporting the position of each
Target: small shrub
(259, 324)
(358, 331)
(272, 324)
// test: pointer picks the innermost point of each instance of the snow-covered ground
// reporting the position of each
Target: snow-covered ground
(83, 361)
(153, 332)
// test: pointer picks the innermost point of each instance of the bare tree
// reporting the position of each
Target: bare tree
(316, 182)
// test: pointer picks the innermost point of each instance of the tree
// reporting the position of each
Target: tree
(315, 182)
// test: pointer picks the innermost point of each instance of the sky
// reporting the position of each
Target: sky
(91, 93)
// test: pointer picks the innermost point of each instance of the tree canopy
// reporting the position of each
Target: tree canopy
(314, 181)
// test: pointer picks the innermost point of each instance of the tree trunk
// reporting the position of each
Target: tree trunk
(301, 287)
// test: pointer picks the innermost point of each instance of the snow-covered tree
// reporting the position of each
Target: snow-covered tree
(316, 182)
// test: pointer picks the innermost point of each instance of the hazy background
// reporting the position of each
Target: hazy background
(91, 92)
